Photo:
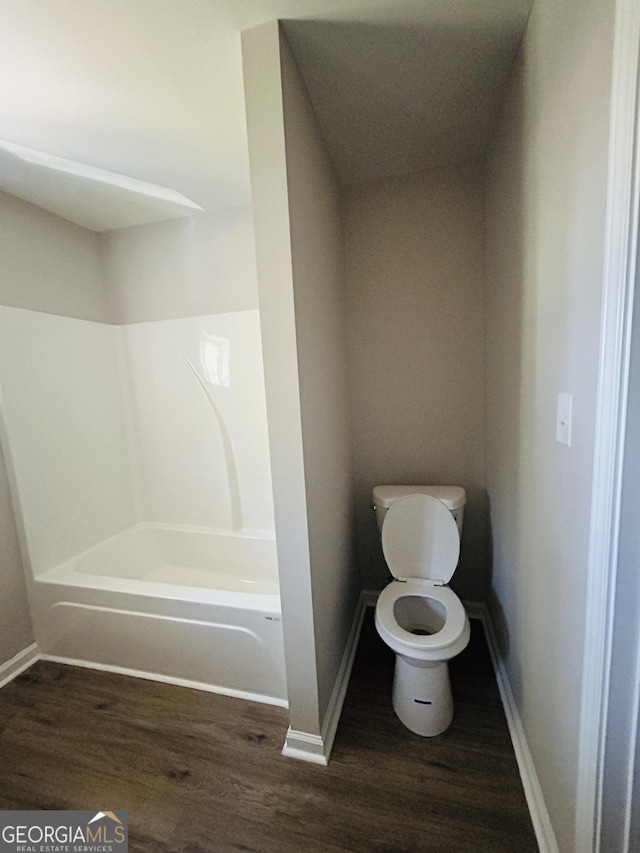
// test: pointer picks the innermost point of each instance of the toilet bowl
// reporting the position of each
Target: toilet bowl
(417, 615)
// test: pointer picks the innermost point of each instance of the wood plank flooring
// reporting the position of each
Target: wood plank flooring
(201, 773)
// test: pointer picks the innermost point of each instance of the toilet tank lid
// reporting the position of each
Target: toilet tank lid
(453, 497)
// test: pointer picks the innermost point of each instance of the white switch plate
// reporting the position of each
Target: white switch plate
(563, 419)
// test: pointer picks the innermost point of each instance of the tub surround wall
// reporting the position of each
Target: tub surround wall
(16, 630)
(120, 363)
(166, 282)
(64, 416)
(151, 422)
(300, 277)
(415, 268)
(197, 421)
(546, 184)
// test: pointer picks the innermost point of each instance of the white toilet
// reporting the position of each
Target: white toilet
(417, 615)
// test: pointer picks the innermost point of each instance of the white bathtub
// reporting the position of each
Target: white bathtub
(185, 605)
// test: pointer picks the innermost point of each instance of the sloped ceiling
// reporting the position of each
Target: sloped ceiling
(152, 89)
(393, 99)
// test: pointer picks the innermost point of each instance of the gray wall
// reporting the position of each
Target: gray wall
(546, 187)
(321, 329)
(415, 265)
(49, 264)
(300, 279)
(179, 268)
(203, 264)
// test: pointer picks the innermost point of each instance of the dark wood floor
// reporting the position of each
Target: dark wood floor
(200, 773)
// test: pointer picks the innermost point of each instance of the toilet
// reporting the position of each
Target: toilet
(417, 615)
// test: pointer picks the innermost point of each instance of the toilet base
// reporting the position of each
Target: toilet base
(422, 696)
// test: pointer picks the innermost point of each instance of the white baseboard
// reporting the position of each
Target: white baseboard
(317, 748)
(305, 746)
(18, 663)
(543, 829)
(334, 709)
(168, 679)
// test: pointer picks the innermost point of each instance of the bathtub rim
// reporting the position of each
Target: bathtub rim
(66, 575)
(247, 533)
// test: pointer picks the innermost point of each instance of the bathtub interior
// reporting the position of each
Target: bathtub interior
(177, 556)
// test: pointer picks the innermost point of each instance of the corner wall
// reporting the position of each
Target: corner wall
(415, 275)
(50, 266)
(546, 199)
(301, 286)
(321, 330)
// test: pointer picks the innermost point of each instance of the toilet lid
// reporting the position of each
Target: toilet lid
(420, 539)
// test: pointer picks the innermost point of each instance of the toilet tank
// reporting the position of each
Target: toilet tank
(453, 497)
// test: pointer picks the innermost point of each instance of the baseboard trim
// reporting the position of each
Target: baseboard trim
(168, 679)
(476, 609)
(305, 747)
(18, 663)
(317, 748)
(370, 597)
(334, 709)
(543, 829)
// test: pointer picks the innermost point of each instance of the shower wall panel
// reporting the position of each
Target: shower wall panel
(198, 420)
(108, 426)
(63, 413)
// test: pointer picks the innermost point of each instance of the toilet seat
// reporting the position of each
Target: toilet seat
(445, 643)
(420, 539)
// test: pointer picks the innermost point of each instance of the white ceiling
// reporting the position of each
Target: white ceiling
(91, 197)
(152, 89)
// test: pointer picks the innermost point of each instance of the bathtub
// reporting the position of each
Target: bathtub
(185, 605)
